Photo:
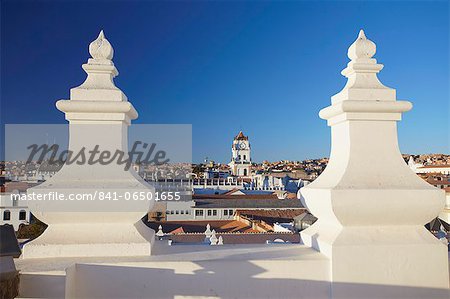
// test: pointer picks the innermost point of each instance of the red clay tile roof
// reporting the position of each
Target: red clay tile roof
(287, 214)
(230, 192)
(437, 182)
(234, 226)
(434, 166)
(20, 186)
(271, 216)
(291, 195)
(240, 136)
(198, 226)
(179, 230)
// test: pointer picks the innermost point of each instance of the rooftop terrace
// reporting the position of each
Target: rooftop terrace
(369, 240)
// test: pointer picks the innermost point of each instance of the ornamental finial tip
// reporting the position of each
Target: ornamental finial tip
(101, 49)
(361, 34)
(362, 48)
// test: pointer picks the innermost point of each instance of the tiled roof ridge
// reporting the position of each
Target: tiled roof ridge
(435, 166)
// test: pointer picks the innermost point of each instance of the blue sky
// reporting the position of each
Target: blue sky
(264, 67)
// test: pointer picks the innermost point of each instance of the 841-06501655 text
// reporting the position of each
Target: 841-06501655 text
(100, 195)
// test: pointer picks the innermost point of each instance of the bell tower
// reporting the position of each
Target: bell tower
(240, 159)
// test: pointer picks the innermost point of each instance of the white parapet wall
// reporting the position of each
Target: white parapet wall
(246, 271)
(202, 271)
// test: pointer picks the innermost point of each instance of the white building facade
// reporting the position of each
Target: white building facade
(12, 211)
(420, 168)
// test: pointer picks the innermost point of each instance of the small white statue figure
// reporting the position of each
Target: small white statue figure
(213, 238)
(160, 232)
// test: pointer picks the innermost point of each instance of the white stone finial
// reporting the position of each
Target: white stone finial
(366, 177)
(361, 71)
(101, 72)
(362, 48)
(99, 115)
(208, 231)
(220, 241)
(213, 240)
(361, 34)
(160, 232)
(101, 49)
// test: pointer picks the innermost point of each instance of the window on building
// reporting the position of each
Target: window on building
(230, 212)
(187, 212)
(225, 212)
(6, 215)
(198, 212)
(245, 172)
(22, 215)
(182, 212)
(177, 212)
(214, 212)
(15, 201)
(245, 157)
(239, 157)
(209, 212)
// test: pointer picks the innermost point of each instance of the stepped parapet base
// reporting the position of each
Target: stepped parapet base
(87, 240)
